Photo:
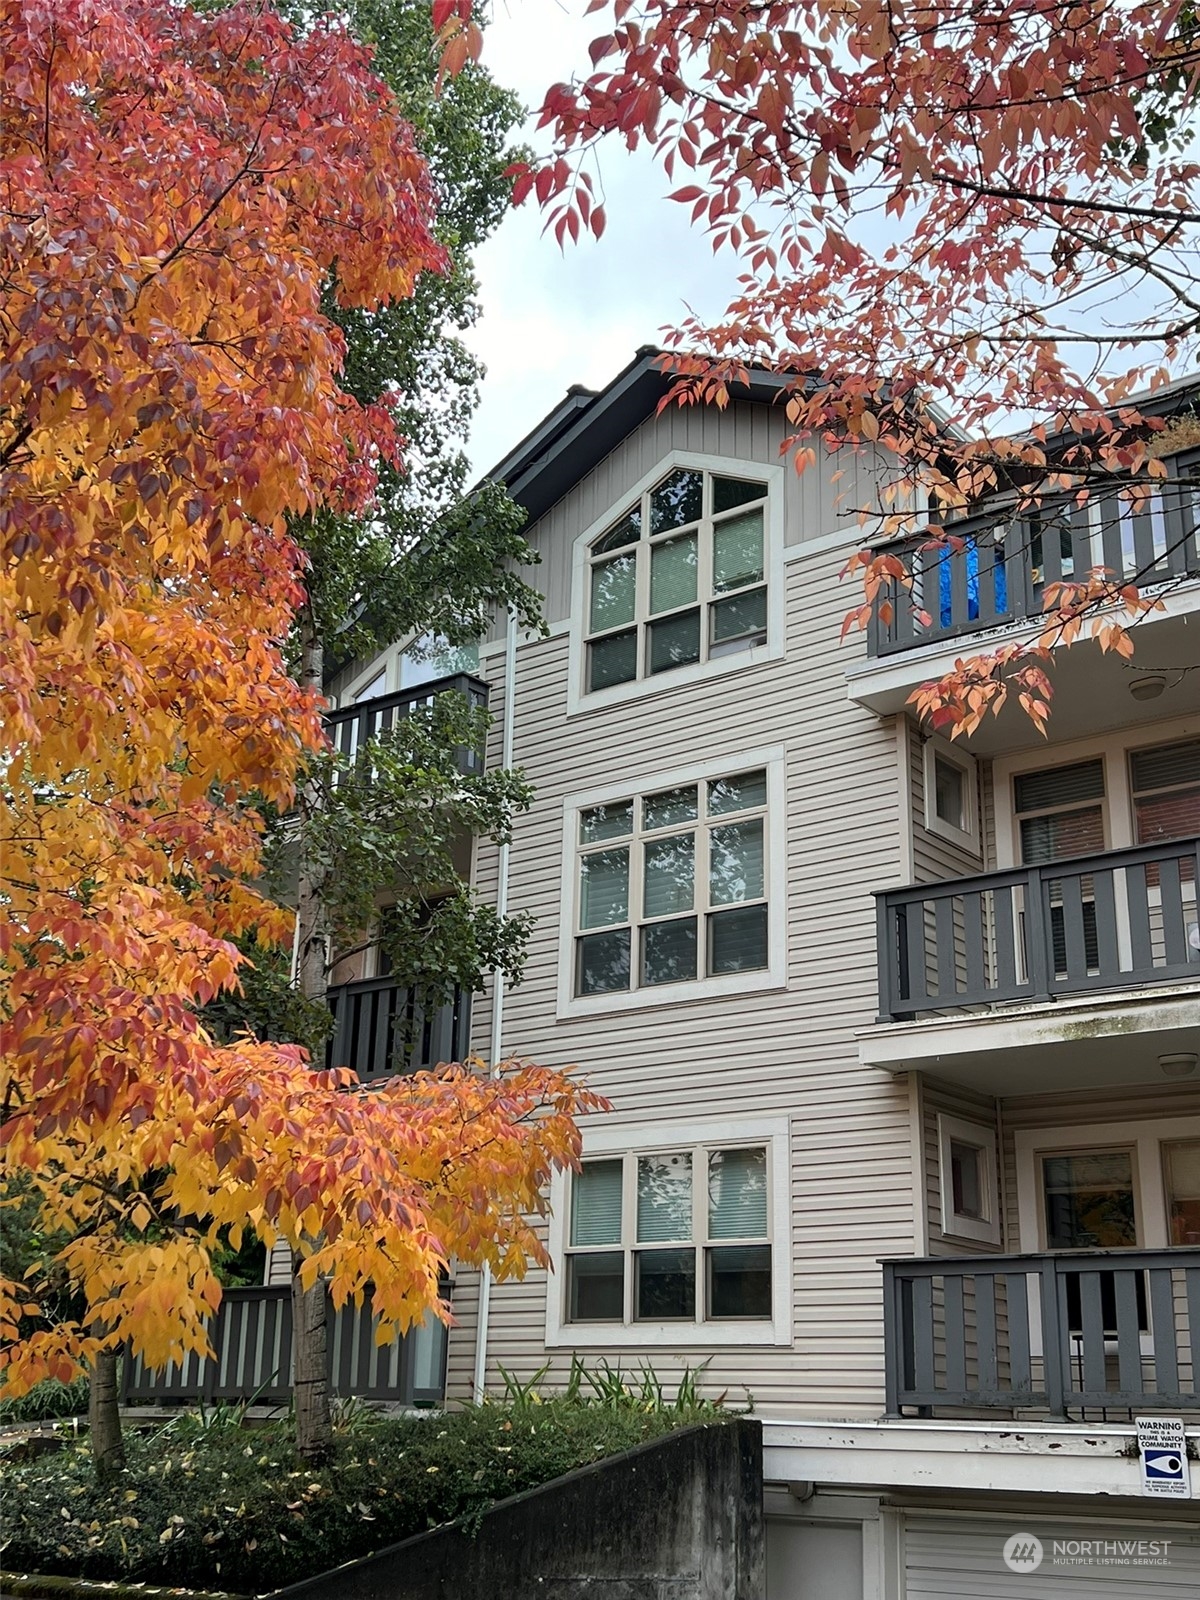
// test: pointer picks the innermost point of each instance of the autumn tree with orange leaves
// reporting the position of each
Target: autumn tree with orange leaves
(981, 213)
(177, 190)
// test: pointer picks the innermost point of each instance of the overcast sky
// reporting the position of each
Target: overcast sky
(552, 318)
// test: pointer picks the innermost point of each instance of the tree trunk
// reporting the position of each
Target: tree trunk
(104, 1416)
(314, 1422)
(312, 952)
(310, 1370)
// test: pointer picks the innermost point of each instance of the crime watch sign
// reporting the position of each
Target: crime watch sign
(1162, 1445)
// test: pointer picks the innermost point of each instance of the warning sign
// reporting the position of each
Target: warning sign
(1162, 1444)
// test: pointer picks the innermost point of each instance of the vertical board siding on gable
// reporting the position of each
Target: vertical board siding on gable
(790, 1051)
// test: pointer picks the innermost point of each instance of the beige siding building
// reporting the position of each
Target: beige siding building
(857, 997)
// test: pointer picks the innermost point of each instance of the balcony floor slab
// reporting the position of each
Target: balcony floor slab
(1091, 689)
(1086, 1042)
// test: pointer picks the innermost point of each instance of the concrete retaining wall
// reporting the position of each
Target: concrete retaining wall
(677, 1519)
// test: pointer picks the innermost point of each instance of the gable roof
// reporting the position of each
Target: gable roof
(587, 424)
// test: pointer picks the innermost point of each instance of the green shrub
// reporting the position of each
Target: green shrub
(46, 1401)
(230, 1509)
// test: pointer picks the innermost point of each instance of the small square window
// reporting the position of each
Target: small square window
(967, 1159)
(950, 794)
(967, 1179)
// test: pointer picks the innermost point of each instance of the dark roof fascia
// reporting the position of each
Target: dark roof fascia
(1166, 401)
(578, 434)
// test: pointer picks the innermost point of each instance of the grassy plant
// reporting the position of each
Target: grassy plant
(46, 1402)
(608, 1387)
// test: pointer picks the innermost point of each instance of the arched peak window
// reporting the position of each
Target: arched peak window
(678, 578)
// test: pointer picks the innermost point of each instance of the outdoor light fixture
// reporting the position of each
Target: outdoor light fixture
(1181, 1065)
(1148, 688)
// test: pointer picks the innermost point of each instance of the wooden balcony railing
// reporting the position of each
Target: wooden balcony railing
(1083, 1330)
(1112, 921)
(252, 1338)
(999, 571)
(379, 1030)
(352, 726)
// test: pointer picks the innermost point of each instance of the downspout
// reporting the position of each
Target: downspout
(497, 1040)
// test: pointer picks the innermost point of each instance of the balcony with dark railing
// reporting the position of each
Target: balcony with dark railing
(1091, 1334)
(350, 727)
(1123, 920)
(996, 568)
(379, 1029)
(251, 1337)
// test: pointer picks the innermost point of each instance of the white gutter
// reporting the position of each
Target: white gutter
(497, 1040)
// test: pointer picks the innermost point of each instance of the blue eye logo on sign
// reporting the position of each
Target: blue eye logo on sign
(1163, 1464)
(1162, 1445)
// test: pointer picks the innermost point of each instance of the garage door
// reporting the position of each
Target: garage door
(1105, 1558)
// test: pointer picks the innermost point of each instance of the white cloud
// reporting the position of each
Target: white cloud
(555, 317)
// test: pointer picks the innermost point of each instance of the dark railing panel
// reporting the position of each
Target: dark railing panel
(995, 566)
(1112, 921)
(1085, 1330)
(252, 1340)
(350, 727)
(379, 1030)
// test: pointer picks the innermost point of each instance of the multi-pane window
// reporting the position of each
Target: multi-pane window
(679, 578)
(670, 1236)
(672, 885)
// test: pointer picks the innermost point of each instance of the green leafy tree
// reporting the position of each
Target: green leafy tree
(429, 559)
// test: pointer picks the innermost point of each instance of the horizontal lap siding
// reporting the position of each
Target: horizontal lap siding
(790, 1052)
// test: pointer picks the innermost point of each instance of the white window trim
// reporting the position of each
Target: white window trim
(982, 1136)
(1114, 749)
(581, 700)
(384, 662)
(614, 1138)
(967, 838)
(388, 662)
(1143, 1138)
(772, 976)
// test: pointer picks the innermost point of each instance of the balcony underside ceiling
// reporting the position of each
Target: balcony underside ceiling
(1076, 1044)
(1091, 689)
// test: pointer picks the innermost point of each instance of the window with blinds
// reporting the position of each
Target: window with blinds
(1060, 813)
(1165, 782)
(672, 886)
(671, 1236)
